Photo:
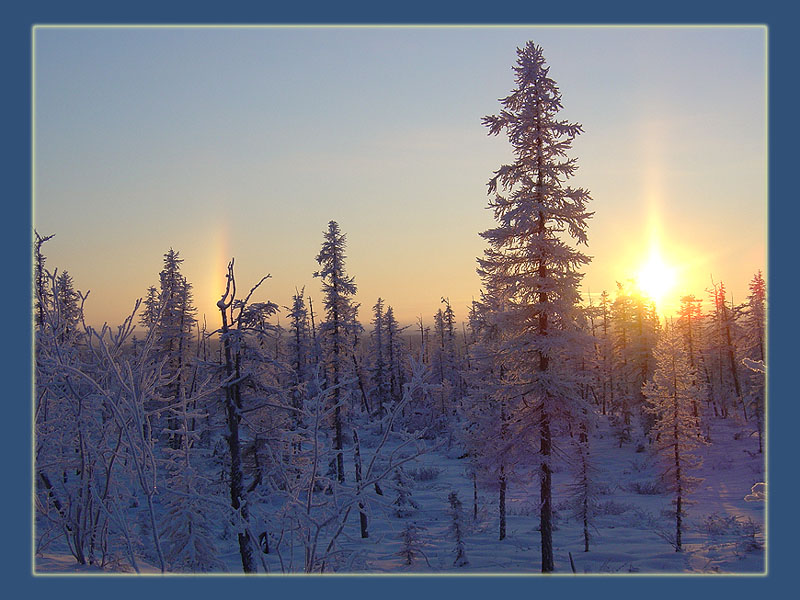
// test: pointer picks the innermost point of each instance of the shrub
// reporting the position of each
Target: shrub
(648, 488)
(613, 508)
(425, 473)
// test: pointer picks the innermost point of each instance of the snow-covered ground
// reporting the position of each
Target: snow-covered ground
(723, 533)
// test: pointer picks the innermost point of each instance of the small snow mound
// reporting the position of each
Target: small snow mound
(758, 493)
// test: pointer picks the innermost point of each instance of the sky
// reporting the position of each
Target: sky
(245, 142)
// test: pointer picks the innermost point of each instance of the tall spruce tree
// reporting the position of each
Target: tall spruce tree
(299, 347)
(379, 372)
(337, 331)
(395, 355)
(532, 261)
(169, 315)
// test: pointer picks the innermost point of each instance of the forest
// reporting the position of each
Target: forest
(534, 431)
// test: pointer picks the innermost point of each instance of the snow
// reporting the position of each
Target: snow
(725, 533)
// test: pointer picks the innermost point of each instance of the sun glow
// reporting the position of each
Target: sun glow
(655, 278)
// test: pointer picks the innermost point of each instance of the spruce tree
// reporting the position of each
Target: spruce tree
(379, 373)
(299, 347)
(337, 331)
(395, 355)
(754, 327)
(67, 303)
(404, 505)
(532, 260)
(457, 530)
(411, 543)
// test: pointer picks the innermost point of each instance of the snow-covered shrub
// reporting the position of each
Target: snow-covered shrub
(610, 507)
(637, 466)
(749, 532)
(604, 489)
(744, 532)
(425, 473)
(411, 543)
(653, 487)
(403, 504)
(716, 524)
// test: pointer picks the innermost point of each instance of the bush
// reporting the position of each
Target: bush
(425, 473)
(745, 532)
(521, 508)
(648, 488)
(716, 524)
(602, 489)
(613, 508)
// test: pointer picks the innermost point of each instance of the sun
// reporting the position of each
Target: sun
(656, 278)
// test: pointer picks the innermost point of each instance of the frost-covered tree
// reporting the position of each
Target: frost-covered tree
(41, 292)
(299, 346)
(439, 364)
(149, 315)
(247, 383)
(95, 466)
(634, 327)
(755, 319)
(396, 355)
(689, 324)
(489, 405)
(67, 301)
(308, 518)
(532, 261)
(452, 361)
(339, 329)
(404, 505)
(583, 490)
(457, 530)
(721, 351)
(606, 353)
(621, 316)
(379, 371)
(670, 398)
(170, 315)
(754, 334)
(191, 510)
(445, 363)
(411, 543)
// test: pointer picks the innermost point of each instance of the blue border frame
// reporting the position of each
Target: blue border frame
(16, 46)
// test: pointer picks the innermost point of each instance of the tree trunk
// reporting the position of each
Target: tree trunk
(474, 496)
(232, 404)
(546, 496)
(357, 460)
(502, 503)
(678, 481)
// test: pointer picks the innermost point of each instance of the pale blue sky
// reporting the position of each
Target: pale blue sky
(245, 142)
